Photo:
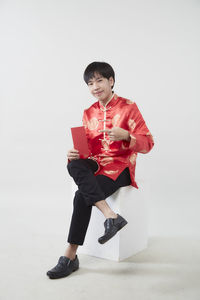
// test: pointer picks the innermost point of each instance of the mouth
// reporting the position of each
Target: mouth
(98, 93)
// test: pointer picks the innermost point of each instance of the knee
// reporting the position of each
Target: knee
(72, 164)
(79, 202)
(75, 164)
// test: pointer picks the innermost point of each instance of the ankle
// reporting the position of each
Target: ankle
(110, 214)
(71, 256)
(70, 252)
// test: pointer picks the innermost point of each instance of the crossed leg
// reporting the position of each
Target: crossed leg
(93, 190)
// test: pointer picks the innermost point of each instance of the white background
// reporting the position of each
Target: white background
(45, 47)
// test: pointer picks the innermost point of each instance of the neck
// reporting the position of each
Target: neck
(104, 103)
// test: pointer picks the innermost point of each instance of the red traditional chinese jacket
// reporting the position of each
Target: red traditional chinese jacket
(113, 157)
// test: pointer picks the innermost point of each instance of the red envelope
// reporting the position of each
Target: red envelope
(80, 141)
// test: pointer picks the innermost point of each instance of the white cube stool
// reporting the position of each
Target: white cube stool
(130, 203)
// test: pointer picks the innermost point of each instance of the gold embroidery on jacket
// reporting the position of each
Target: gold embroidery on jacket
(111, 172)
(129, 101)
(115, 120)
(131, 124)
(105, 144)
(132, 158)
(93, 124)
(105, 161)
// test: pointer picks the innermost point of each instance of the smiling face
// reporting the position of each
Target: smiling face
(101, 87)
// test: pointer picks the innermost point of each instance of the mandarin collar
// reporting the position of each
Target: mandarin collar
(110, 103)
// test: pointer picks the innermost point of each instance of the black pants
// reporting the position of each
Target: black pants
(91, 189)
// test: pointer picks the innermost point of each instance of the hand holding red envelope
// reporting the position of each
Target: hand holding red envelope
(80, 141)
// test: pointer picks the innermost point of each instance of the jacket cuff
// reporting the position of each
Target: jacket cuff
(140, 143)
(133, 141)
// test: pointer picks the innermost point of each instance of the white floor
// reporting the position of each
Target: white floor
(30, 245)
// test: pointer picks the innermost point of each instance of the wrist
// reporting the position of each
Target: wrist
(128, 138)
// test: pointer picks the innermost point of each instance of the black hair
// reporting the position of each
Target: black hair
(103, 68)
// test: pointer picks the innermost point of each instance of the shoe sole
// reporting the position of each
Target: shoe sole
(61, 275)
(122, 224)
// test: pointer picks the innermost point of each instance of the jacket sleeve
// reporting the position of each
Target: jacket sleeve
(141, 140)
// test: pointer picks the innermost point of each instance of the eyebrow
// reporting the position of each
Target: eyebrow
(98, 77)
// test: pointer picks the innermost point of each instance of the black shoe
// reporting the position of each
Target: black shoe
(64, 267)
(111, 228)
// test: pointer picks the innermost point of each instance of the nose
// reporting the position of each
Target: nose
(95, 86)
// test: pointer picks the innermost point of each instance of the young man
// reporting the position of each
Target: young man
(116, 132)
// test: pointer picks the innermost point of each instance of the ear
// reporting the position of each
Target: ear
(111, 80)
